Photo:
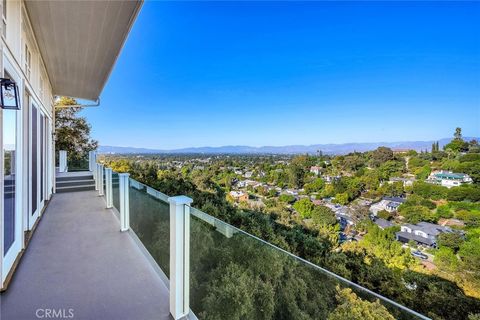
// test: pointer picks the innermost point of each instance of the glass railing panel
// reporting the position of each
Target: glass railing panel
(234, 275)
(104, 176)
(78, 163)
(116, 193)
(150, 220)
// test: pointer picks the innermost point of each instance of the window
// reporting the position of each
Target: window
(28, 61)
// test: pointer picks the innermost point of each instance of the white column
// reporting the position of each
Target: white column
(62, 160)
(96, 172)
(108, 189)
(124, 201)
(100, 179)
(179, 256)
(92, 159)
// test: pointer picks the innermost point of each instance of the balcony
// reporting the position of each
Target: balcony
(78, 260)
(170, 259)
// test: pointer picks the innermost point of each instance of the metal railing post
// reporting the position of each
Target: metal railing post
(124, 201)
(100, 180)
(62, 161)
(108, 187)
(179, 255)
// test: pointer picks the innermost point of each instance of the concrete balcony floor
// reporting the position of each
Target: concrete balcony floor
(78, 259)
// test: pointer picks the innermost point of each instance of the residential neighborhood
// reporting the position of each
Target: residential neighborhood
(410, 210)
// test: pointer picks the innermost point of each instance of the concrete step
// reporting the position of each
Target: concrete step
(73, 183)
(75, 188)
(75, 178)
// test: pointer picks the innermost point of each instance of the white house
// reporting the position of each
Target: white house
(316, 170)
(423, 233)
(389, 204)
(449, 179)
(47, 48)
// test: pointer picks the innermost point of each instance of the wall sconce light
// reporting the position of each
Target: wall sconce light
(9, 94)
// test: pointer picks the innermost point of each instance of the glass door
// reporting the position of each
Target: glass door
(11, 212)
(34, 165)
(42, 160)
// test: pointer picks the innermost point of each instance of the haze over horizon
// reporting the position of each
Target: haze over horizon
(286, 149)
(288, 73)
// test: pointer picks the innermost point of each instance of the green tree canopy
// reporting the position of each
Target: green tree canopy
(381, 155)
(304, 207)
(351, 307)
(71, 130)
(457, 144)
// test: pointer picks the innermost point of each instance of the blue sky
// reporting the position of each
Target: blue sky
(266, 73)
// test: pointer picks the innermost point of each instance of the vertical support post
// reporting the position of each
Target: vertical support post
(100, 179)
(95, 175)
(92, 159)
(62, 161)
(124, 201)
(179, 256)
(109, 186)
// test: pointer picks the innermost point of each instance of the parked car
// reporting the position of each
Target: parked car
(420, 255)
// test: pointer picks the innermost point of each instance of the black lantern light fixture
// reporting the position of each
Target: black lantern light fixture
(9, 94)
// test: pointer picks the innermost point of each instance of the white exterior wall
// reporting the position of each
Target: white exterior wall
(421, 233)
(33, 86)
(450, 183)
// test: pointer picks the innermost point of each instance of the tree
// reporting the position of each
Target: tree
(381, 155)
(450, 240)
(314, 186)
(390, 168)
(384, 214)
(323, 215)
(473, 146)
(72, 131)
(297, 170)
(304, 207)
(232, 284)
(286, 198)
(458, 134)
(470, 254)
(351, 307)
(446, 259)
(457, 144)
(416, 213)
(341, 198)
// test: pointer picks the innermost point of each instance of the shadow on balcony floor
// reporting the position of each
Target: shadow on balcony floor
(78, 259)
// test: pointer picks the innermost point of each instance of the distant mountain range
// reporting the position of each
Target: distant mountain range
(293, 149)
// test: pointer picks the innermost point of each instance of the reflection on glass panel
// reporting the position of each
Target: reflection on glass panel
(234, 275)
(9, 153)
(150, 220)
(116, 192)
(78, 162)
(42, 137)
(34, 161)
